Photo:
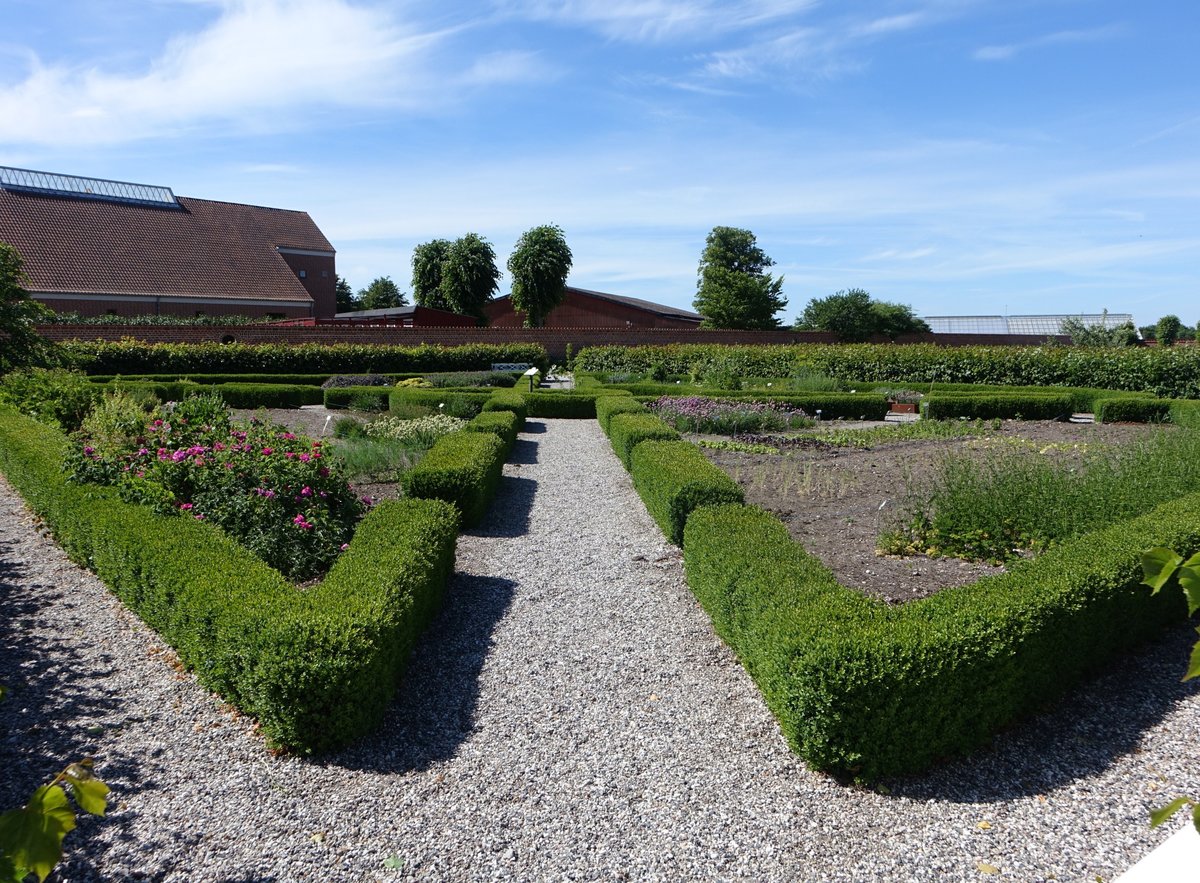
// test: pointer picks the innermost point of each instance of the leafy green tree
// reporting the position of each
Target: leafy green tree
(1166, 331)
(847, 313)
(1098, 335)
(20, 344)
(427, 262)
(346, 301)
(895, 319)
(469, 276)
(381, 294)
(1148, 331)
(732, 290)
(539, 266)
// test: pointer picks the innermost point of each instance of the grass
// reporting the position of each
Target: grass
(375, 459)
(920, 429)
(1013, 500)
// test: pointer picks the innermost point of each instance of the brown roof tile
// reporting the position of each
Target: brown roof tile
(202, 249)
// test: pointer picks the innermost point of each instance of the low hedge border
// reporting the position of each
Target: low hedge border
(503, 424)
(566, 403)
(235, 395)
(318, 668)
(456, 401)
(862, 689)
(627, 431)
(987, 406)
(1133, 410)
(462, 468)
(608, 407)
(674, 478)
(341, 397)
(507, 400)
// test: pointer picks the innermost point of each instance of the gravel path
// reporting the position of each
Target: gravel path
(570, 716)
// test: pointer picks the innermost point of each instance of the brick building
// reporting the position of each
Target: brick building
(107, 247)
(581, 308)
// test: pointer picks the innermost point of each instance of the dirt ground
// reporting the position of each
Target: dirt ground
(837, 501)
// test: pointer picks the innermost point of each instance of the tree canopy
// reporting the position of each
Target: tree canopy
(20, 344)
(1098, 335)
(381, 294)
(346, 300)
(539, 266)
(854, 316)
(1166, 331)
(427, 261)
(469, 276)
(732, 289)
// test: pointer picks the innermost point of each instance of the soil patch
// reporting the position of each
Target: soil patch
(836, 501)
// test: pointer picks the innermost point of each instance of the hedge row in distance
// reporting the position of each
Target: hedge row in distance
(235, 395)
(988, 406)
(318, 667)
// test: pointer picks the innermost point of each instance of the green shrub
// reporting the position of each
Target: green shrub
(701, 414)
(56, 397)
(566, 403)
(508, 400)
(673, 478)
(456, 403)
(463, 468)
(627, 431)
(1132, 410)
(988, 406)
(866, 690)
(377, 398)
(503, 424)
(268, 395)
(136, 357)
(609, 406)
(318, 667)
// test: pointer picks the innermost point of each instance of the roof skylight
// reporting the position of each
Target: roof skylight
(52, 184)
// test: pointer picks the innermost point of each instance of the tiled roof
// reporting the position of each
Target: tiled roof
(201, 249)
(638, 303)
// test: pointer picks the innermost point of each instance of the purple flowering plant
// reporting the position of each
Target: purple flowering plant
(278, 493)
(702, 414)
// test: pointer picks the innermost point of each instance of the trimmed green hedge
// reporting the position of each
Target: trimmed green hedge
(463, 468)
(235, 395)
(989, 405)
(627, 431)
(136, 357)
(507, 400)
(1163, 371)
(567, 403)
(1133, 410)
(318, 667)
(293, 379)
(868, 690)
(608, 407)
(503, 424)
(673, 478)
(341, 397)
(455, 401)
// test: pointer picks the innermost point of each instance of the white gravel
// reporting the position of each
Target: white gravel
(569, 716)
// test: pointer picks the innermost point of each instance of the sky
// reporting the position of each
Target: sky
(964, 157)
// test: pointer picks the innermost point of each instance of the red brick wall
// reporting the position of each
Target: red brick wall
(320, 279)
(555, 340)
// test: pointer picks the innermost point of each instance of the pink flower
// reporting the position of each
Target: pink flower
(306, 491)
(289, 436)
(345, 546)
(88, 450)
(185, 506)
(268, 451)
(304, 458)
(179, 455)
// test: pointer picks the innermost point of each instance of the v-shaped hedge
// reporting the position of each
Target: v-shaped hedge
(317, 667)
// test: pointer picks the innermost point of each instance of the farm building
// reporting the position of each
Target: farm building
(411, 316)
(99, 247)
(581, 308)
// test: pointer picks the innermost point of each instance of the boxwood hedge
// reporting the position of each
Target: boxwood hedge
(318, 667)
(673, 478)
(867, 690)
(235, 395)
(1032, 406)
(609, 406)
(507, 400)
(462, 468)
(503, 424)
(627, 431)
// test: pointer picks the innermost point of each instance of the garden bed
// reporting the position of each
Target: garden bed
(836, 501)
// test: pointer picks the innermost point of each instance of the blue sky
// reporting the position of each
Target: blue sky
(961, 156)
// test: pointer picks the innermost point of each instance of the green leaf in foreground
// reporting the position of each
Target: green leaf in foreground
(1160, 815)
(1158, 566)
(89, 792)
(33, 835)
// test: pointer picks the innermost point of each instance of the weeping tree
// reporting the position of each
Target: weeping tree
(539, 266)
(427, 262)
(469, 277)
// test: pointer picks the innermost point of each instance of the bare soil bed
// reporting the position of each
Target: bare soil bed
(836, 501)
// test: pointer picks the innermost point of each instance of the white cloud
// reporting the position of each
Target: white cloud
(658, 20)
(260, 65)
(1010, 50)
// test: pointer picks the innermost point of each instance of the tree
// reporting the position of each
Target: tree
(1098, 335)
(346, 301)
(381, 294)
(1148, 331)
(539, 266)
(469, 276)
(20, 344)
(732, 290)
(427, 261)
(846, 313)
(1166, 332)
